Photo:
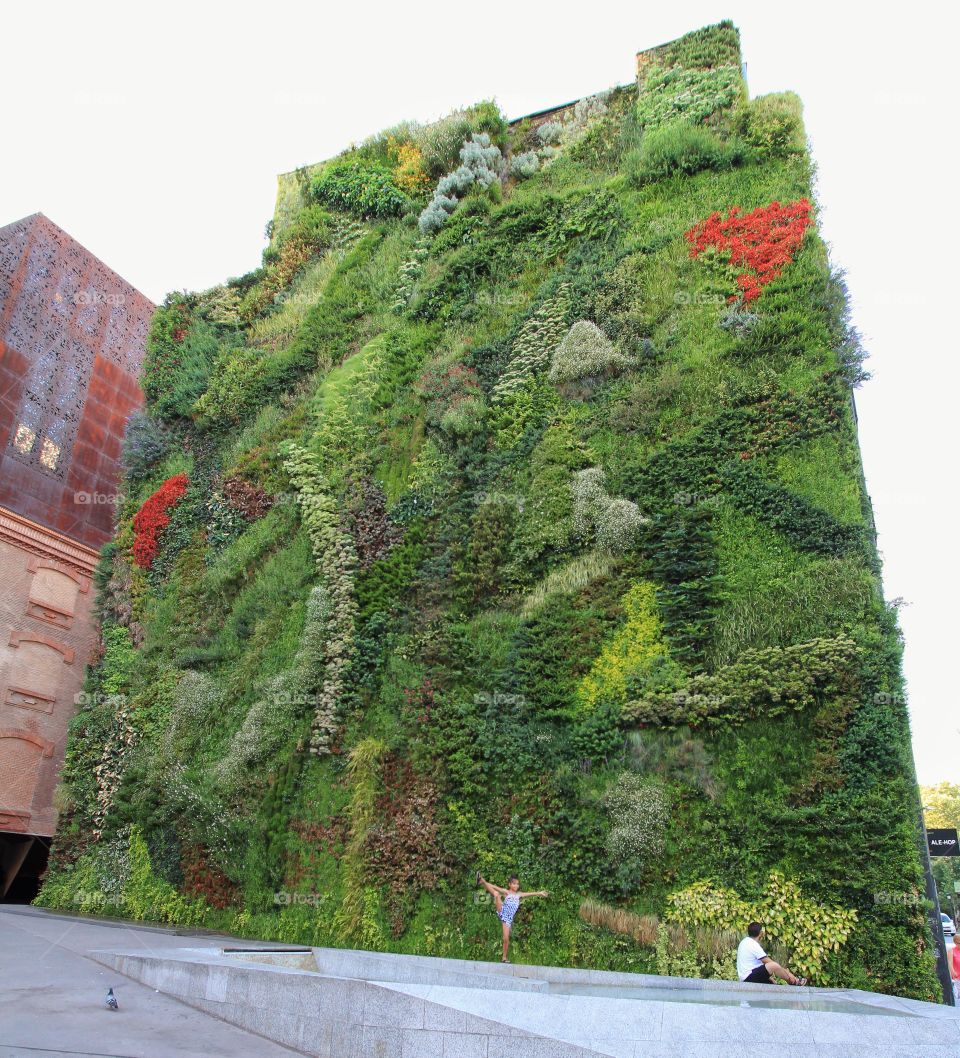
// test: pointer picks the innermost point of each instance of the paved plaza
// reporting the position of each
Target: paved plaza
(184, 993)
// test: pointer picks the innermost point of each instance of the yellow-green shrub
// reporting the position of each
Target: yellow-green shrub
(811, 930)
(629, 653)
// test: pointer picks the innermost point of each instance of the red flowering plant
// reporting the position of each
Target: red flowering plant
(153, 516)
(760, 243)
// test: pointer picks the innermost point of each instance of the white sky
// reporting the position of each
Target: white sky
(153, 135)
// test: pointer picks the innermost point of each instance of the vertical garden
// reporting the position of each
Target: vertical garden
(511, 517)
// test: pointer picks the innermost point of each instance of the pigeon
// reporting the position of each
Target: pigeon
(112, 1003)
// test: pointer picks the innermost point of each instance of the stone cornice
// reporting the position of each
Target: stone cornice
(38, 540)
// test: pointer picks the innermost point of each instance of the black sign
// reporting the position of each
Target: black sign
(943, 842)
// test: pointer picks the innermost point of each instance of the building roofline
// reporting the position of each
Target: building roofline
(31, 220)
(510, 121)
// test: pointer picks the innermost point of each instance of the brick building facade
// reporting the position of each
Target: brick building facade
(72, 337)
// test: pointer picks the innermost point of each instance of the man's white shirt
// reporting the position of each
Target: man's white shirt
(749, 956)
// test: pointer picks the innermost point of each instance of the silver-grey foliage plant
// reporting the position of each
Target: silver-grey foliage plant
(524, 165)
(481, 163)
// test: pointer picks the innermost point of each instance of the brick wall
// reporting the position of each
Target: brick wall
(47, 637)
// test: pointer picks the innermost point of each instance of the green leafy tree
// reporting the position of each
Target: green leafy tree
(941, 808)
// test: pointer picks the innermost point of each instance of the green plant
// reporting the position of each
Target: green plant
(677, 756)
(531, 349)
(483, 598)
(717, 45)
(180, 354)
(312, 230)
(574, 125)
(678, 147)
(772, 125)
(675, 954)
(363, 188)
(403, 848)
(145, 443)
(691, 94)
(628, 655)
(356, 914)
(440, 142)
(771, 681)
(337, 610)
(524, 165)
(614, 523)
(576, 575)
(811, 930)
(480, 164)
(640, 811)
(585, 352)
(233, 387)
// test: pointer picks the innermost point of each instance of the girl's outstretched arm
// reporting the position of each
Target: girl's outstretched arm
(539, 892)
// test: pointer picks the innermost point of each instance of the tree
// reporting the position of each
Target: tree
(941, 808)
(941, 805)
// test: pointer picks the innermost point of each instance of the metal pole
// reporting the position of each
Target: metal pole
(936, 925)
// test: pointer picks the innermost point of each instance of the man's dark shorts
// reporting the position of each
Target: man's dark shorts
(759, 976)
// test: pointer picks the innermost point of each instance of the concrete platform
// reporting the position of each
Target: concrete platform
(346, 1004)
(52, 996)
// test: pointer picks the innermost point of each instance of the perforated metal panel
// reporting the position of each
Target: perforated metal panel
(72, 336)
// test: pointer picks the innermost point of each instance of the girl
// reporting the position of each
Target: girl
(506, 901)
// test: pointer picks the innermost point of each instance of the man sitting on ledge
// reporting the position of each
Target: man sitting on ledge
(755, 966)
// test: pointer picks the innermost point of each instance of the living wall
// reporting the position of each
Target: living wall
(511, 517)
